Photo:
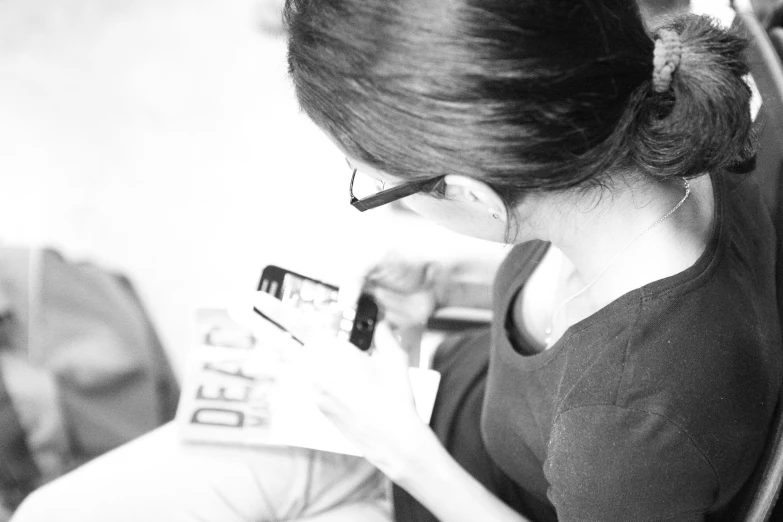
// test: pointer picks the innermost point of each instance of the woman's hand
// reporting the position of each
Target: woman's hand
(367, 396)
(407, 291)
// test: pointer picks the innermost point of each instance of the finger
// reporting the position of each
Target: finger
(389, 298)
(397, 319)
(384, 335)
(392, 300)
(401, 275)
(406, 310)
(387, 344)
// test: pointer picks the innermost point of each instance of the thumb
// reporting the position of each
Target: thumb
(387, 344)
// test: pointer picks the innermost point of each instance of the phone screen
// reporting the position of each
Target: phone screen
(319, 300)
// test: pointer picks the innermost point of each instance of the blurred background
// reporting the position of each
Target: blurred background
(161, 138)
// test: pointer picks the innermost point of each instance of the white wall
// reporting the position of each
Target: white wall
(161, 137)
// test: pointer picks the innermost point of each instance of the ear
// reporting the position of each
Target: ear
(475, 193)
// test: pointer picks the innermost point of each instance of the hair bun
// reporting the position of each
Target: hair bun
(698, 119)
(666, 59)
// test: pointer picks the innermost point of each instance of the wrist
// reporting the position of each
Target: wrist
(417, 459)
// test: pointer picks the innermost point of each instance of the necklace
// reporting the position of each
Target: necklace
(550, 328)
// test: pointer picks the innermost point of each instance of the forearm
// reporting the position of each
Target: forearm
(438, 482)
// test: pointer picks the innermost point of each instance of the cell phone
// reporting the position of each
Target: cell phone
(355, 325)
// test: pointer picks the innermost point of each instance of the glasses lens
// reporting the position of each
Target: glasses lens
(365, 186)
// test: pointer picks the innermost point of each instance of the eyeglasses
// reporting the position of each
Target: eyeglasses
(393, 194)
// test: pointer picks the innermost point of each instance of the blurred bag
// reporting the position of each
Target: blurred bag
(81, 368)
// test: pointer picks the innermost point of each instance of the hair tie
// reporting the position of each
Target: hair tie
(666, 59)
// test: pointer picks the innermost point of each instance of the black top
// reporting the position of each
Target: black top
(656, 407)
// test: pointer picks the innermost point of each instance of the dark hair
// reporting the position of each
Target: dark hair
(524, 95)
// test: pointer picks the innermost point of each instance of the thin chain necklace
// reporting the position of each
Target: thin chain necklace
(550, 328)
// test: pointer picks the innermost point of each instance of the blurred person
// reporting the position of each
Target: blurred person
(82, 370)
(633, 364)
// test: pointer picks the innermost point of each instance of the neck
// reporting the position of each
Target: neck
(598, 227)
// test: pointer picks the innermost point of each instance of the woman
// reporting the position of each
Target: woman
(628, 378)
(633, 364)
